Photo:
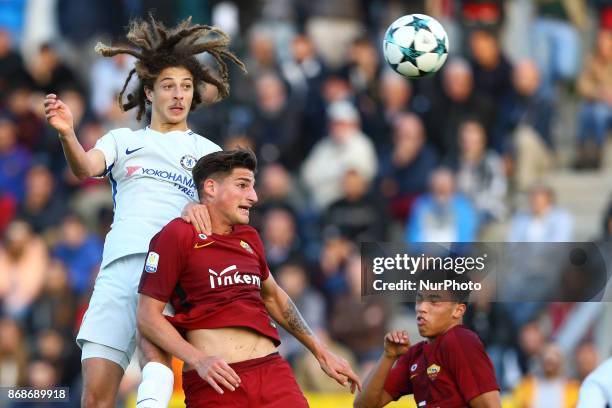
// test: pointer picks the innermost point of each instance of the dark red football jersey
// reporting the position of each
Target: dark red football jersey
(446, 373)
(211, 281)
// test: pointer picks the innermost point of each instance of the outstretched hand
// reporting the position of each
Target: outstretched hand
(58, 114)
(198, 216)
(339, 369)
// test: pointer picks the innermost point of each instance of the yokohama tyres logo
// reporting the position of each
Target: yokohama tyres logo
(226, 278)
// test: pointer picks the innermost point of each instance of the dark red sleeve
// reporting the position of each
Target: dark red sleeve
(398, 382)
(469, 364)
(165, 261)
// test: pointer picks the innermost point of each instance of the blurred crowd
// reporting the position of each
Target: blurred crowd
(349, 152)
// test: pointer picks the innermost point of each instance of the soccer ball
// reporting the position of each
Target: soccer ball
(415, 45)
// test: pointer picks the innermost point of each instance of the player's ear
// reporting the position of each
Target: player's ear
(210, 187)
(459, 311)
(148, 94)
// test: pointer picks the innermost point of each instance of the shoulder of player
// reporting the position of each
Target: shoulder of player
(461, 337)
(179, 228)
(250, 235)
(208, 145)
(124, 132)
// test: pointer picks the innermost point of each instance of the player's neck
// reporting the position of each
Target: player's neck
(163, 127)
(218, 224)
(432, 339)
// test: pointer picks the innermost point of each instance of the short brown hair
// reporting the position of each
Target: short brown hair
(220, 164)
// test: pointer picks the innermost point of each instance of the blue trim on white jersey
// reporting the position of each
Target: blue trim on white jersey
(113, 184)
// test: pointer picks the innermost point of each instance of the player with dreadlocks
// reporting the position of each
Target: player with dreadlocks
(150, 175)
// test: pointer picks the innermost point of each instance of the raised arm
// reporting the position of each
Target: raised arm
(374, 394)
(284, 312)
(83, 164)
(153, 325)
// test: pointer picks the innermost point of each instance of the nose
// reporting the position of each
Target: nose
(179, 93)
(252, 197)
(421, 307)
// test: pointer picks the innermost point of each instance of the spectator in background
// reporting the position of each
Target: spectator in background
(30, 126)
(292, 277)
(14, 160)
(346, 147)
(531, 342)
(458, 102)
(491, 69)
(551, 388)
(275, 127)
(443, 214)
(394, 98)
(8, 209)
(586, 359)
(49, 72)
(363, 72)
(261, 59)
(276, 187)
(305, 73)
(12, 69)
(13, 354)
(337, 20)
(480, 173)
(358, 215)
(42, 207)
(555, 39)
(23, 262)
(56, 307)
(480, 14)
(543, 222)
(61, 352)
(363, 67)
(524, 127)
(106, 80)
(368, 320)
(331, 276)
(80, 251)
(406, 168)
(280, 238)
(595, 117)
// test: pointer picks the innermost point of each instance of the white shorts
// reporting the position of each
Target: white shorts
(110, 319)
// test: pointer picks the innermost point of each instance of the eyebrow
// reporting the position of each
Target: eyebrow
(244, 179)
(169, 78)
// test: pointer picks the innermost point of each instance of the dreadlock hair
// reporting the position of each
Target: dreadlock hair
(160, 47)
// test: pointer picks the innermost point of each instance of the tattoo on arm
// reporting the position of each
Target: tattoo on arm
(295, 321)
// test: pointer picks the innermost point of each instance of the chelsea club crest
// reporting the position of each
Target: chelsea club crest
(188, 162)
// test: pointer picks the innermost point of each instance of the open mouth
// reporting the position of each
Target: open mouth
(243, 209)
(421, 321)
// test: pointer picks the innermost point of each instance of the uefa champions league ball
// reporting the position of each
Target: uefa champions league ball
(415, 45)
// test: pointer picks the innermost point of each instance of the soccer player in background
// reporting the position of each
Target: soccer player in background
(224, 299)
(449, 369)
(150, 174)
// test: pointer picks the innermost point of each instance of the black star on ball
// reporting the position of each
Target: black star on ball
(418, 24)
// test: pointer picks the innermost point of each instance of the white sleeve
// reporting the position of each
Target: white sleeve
(107, 144)
(591, 396)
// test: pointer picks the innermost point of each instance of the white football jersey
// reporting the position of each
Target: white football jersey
(596, 390)
(150, 176)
